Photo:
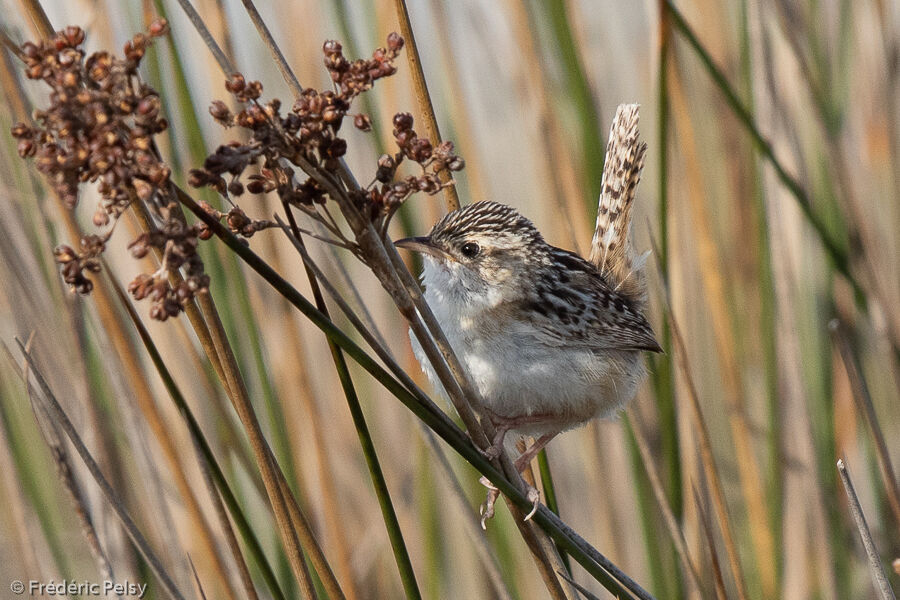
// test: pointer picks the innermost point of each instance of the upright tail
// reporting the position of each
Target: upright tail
(611, 249)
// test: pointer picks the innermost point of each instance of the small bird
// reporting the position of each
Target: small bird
(550, 340)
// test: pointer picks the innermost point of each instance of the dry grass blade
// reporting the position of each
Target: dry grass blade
(272, 476)
(581, 589)
(864, 405)
(875, 568)
(38, 17)
(224, 62)
(230, 537)
(197, 579)
(269, 41)
(56, 412)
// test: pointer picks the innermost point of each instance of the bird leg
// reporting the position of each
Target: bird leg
(503, 425)
(531, 492)
(526, 457)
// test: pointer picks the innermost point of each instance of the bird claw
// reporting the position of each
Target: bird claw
(534, 497)
(491, 452)
(487, 509)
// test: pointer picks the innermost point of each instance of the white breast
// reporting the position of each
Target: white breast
(515, 373)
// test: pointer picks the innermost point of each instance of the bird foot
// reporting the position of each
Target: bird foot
(487, 509)
(493, 451)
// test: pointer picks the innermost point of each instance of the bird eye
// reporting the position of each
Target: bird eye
(470, 249)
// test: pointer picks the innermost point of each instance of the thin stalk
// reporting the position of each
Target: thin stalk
(876, 569)
(66, 474)
(864, 405)
(218, 54)
(601, 568)
(59, 415)
(389, 515)
(659, 493)
(550, 496)
(721, 593)
(280, 61)
(263, 455)
(203, 448)
(426, 107)
(38, 18)
(230, 538)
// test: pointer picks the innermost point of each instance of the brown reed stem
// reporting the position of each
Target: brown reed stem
(426, 107)
(863, 400)
(261, 451)
(706, 525)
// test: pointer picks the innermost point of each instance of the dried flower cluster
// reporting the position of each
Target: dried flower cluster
(308, 137)
(99, 128)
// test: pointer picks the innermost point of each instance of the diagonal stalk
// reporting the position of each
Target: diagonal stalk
(59, 415)
(205, 451)
(395, 534)
(836, 254)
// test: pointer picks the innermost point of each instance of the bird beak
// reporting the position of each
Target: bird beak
(423, 245)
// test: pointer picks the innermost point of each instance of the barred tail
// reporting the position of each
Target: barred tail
(611, 249)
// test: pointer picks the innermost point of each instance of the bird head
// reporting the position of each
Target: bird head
(481, 253)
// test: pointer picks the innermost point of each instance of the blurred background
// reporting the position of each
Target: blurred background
(770, 194)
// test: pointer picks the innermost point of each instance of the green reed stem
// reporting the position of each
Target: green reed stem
(578, 90)
(550, 497)
(388, 514)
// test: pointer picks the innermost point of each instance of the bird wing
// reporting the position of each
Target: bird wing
(578, 307)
